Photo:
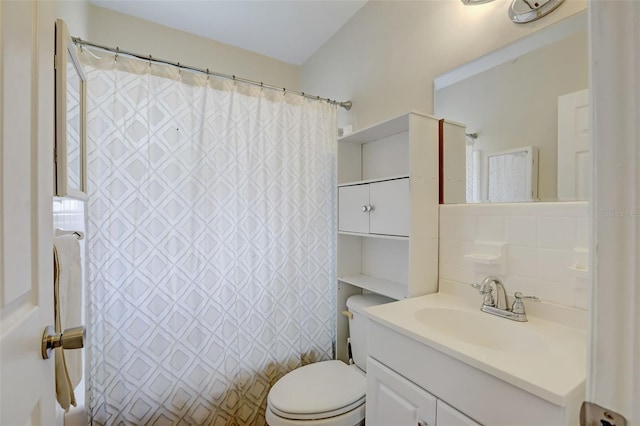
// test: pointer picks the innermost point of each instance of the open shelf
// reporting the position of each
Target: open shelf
(363, 182)
(382, 236)
(388, 288)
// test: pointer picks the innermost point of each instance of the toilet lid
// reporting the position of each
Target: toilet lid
(323, 388)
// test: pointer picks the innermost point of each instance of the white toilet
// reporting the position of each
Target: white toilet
(328, 393)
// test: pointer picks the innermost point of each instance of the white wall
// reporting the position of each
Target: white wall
(544, 241)
(386, 57)
(113, 29)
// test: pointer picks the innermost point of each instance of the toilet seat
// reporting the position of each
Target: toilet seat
(318, 391)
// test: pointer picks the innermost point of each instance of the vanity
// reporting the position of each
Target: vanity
(438, 360)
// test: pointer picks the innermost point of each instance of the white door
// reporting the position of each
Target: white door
(448, 416)
(394, 400)
(390, 207)
(27, 391)
(353, 213)
(574, 158)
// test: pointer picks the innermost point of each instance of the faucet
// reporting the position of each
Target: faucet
(500, 305)
(502, 298)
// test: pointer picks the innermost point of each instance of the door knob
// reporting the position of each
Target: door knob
(71, 338)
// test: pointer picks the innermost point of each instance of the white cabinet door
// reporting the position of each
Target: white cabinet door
(394, 400)
(449, 416)
(390, 213)
(351, 200)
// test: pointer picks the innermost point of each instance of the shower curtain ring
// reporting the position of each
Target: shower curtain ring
(179, 70)
(207, 74)
(234, 80)
(115, 58)
(150, 59)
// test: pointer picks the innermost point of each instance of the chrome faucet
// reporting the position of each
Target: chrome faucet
(500, 304)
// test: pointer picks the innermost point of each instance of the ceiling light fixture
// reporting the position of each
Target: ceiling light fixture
(522, 11)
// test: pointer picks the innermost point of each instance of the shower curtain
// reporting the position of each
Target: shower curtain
(211, 222)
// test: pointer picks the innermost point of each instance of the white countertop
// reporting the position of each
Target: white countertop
(551, 366)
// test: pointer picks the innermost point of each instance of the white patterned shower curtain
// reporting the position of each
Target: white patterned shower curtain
(211, 243)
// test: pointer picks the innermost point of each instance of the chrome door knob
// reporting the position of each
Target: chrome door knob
(71, 338)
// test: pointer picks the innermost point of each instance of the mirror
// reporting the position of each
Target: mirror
(70, 152)
(525, 110)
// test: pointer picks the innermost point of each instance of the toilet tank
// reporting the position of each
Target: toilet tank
(358, 325)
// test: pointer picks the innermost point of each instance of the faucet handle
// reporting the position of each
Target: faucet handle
(521, 296)
(518, 306)
(481, 289)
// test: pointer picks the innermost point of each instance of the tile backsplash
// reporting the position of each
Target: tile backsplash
(546, 247)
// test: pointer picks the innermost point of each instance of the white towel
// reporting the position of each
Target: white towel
(68, 313)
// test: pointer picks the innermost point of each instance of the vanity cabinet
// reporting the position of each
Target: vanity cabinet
(380, 208)
(388, 183)
(392, 399)
(400, 367)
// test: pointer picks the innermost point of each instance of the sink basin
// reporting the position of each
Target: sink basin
(482, 329)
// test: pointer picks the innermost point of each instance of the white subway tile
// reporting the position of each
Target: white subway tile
(522, 261)
(557, 232)
(456, 273)
(453, 251)
(582, 231)
(458, 227)
(522, 230)
(490, 228)
(553, 265)
(582, 294)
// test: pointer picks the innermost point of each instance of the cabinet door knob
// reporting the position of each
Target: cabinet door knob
(421, 423)
(367, 208)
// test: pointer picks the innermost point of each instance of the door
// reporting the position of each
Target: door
(574, 158)
(27, 393)
(449, 416)
(390, 205)
(353, 212)
(394, 400)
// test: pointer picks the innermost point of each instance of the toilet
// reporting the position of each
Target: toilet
(327, 393)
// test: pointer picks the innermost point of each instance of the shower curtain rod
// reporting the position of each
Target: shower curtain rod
(79, 42)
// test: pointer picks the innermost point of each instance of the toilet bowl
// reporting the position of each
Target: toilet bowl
(328, 393)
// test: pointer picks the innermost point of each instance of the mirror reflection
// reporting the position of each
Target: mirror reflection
(526, 116)
(73, 125)
(70, 155)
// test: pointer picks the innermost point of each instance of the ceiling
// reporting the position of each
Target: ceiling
(288, 30)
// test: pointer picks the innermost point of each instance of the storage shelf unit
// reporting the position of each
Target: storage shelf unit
(393, 251)
(363, 182)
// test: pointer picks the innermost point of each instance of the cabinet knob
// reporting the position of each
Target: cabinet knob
(367, 209)
(421, 423)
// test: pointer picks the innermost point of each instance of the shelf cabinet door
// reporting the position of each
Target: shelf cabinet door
(351, 199)
(449, 416)
(394, 400)
(390, 202)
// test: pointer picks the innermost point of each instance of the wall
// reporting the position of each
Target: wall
(113, 29)
(541, 238)
(386, 57)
